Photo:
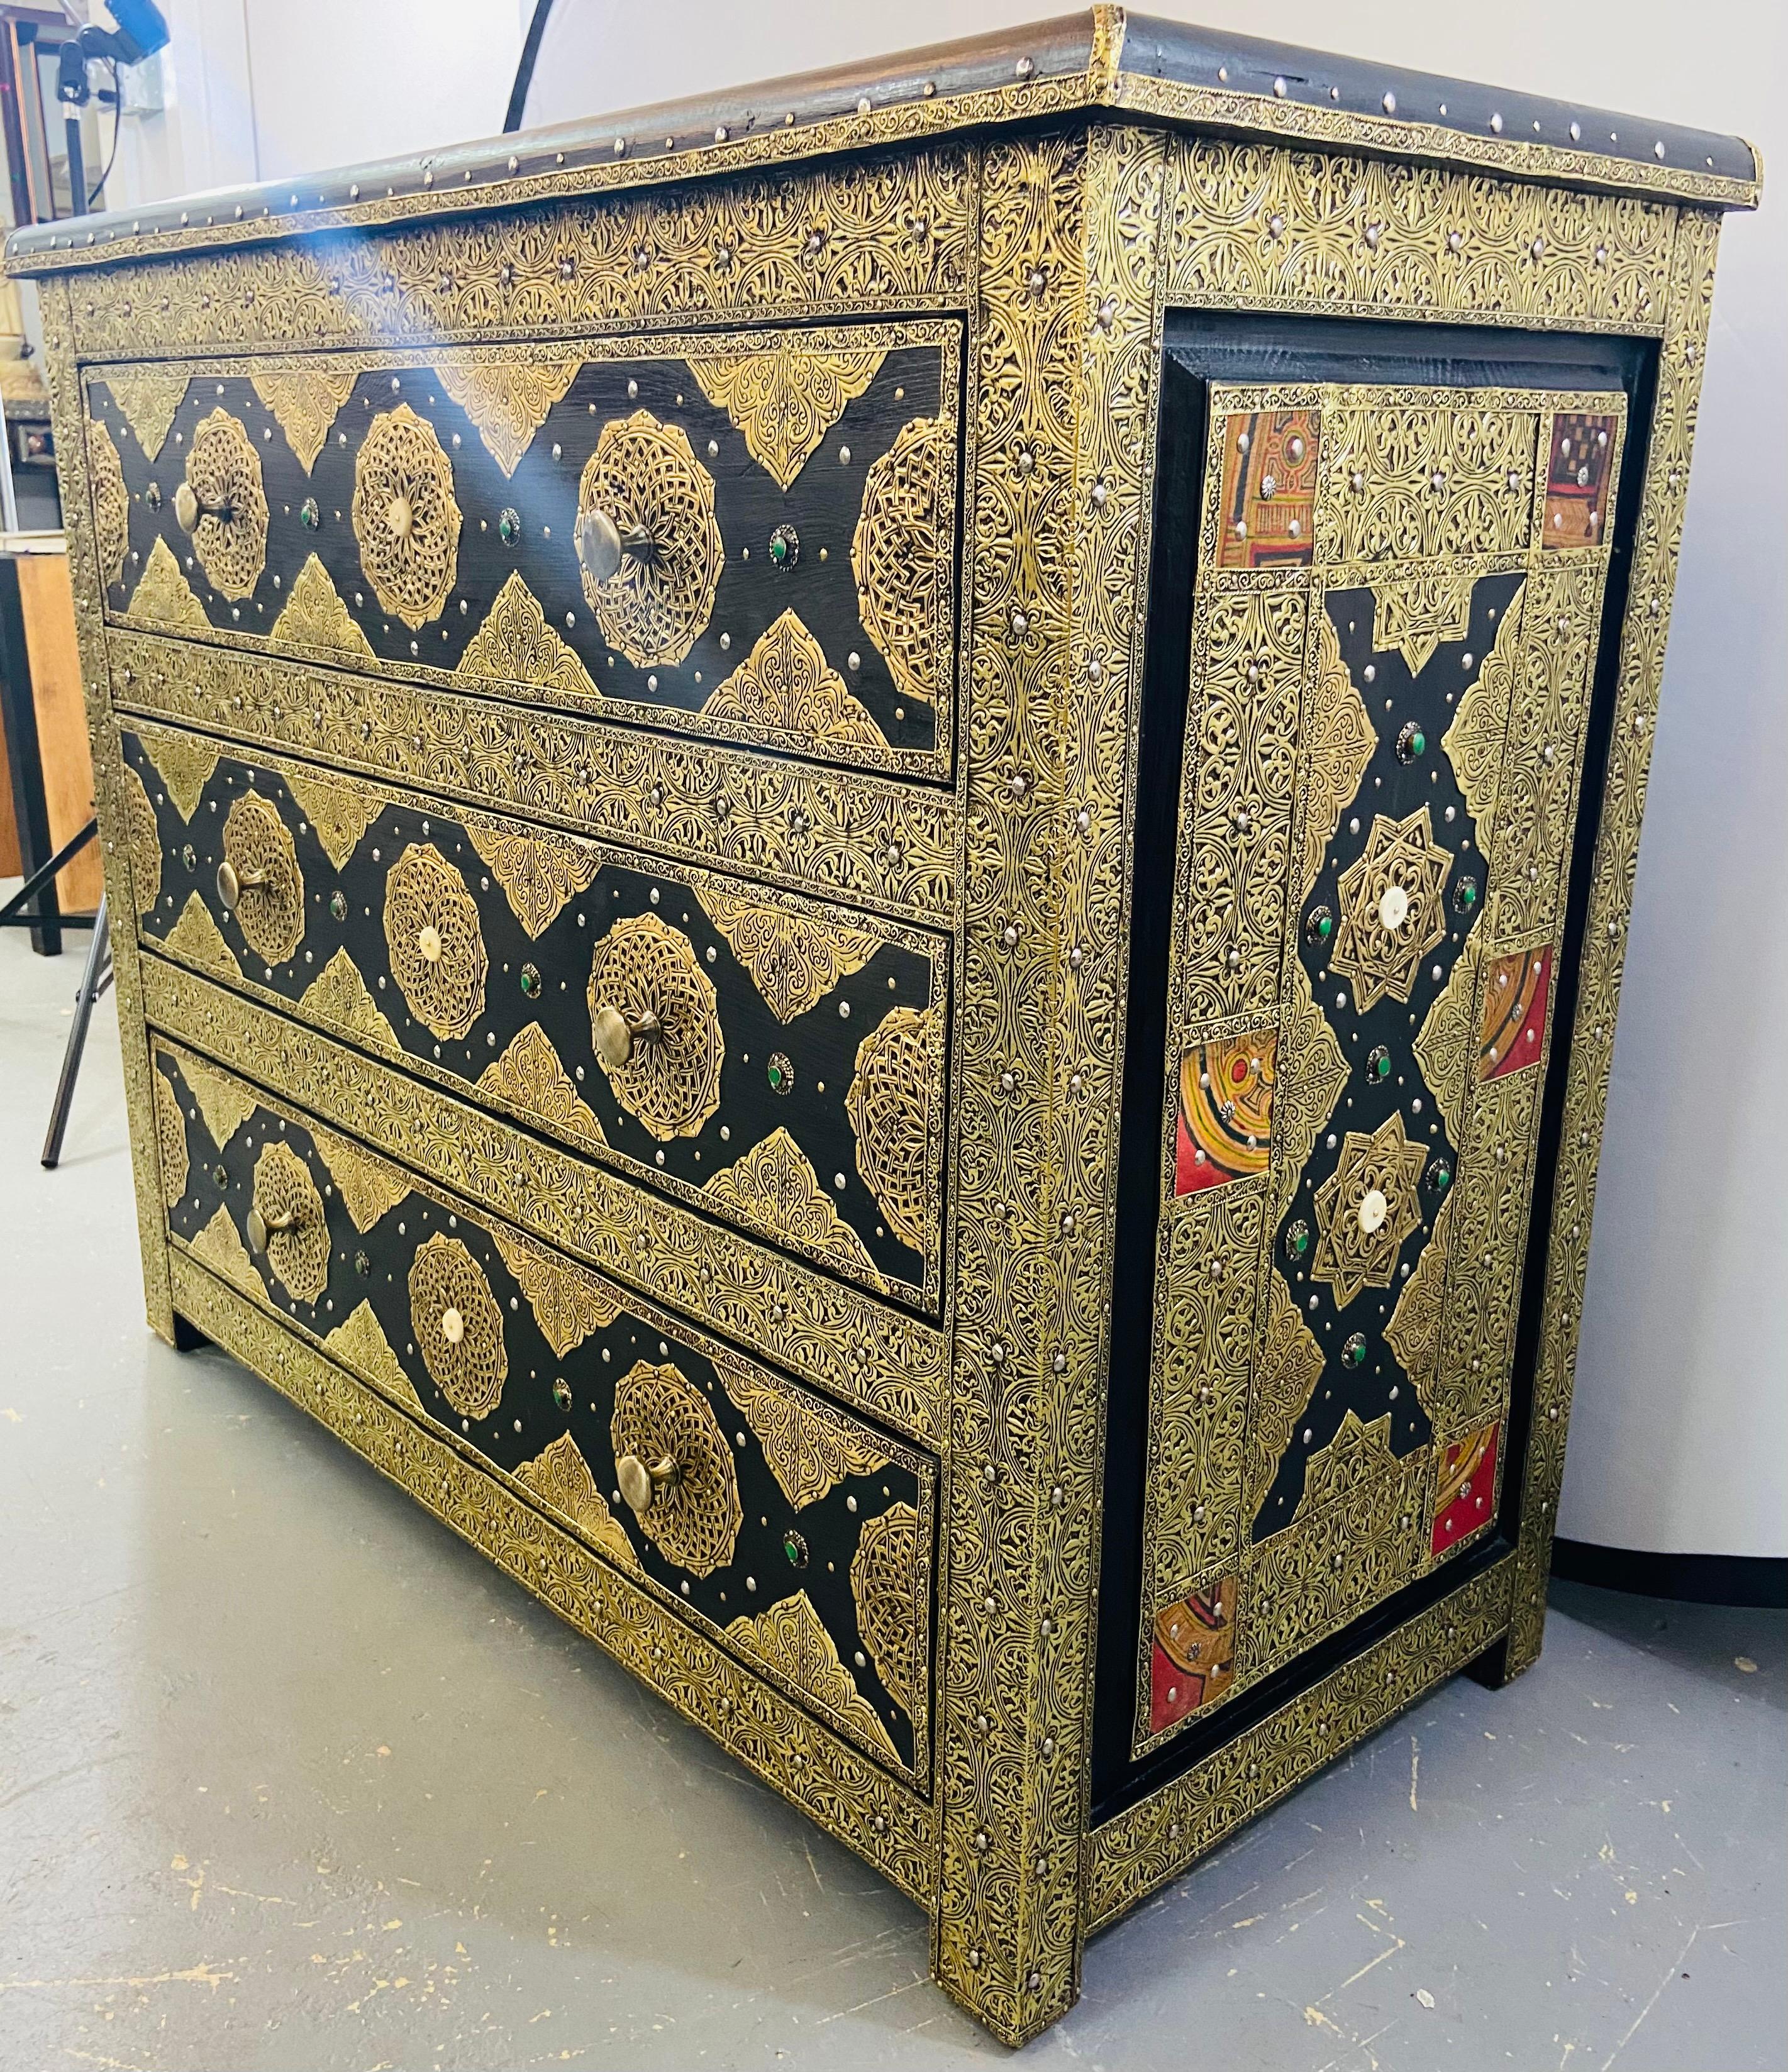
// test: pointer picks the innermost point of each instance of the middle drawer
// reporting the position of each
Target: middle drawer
(770, 1060)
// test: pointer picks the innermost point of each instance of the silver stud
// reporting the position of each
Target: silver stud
(1279, 89)
(1389, 104)
(1496, 124)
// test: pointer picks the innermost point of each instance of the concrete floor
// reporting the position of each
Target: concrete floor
(289, 1777)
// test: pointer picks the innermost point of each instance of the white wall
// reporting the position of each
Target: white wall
(262, 88)
(1680, 1437)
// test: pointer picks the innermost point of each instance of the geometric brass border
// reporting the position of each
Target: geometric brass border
(55, 301)
(874, 841)
(1086, 76)
(1656, 550)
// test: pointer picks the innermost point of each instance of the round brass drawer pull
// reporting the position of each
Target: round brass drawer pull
(639, 1484)
(260, 1225)
(259, 880)
(614, 1033)
(601, 543)
(673, 1465)
(231, 881)
(654, 1026)
(287, 1223)
(649, 549)
(189, 507)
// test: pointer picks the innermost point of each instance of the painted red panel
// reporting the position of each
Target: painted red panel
(1466, 1495)
(1195, 1655)
(1516, 997)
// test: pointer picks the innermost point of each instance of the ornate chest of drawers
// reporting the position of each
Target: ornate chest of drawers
(869, 854)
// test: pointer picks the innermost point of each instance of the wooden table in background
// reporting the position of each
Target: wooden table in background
(46, 767)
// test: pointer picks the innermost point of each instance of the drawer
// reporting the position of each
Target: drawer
(751, 537)
(772, 1062)
(795, 1534)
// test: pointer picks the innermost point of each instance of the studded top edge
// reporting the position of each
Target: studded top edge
(1232, 84)
(1426, 114)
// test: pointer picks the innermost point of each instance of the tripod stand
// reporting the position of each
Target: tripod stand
(95, 976)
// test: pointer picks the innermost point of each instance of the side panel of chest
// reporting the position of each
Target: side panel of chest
(1397, 596)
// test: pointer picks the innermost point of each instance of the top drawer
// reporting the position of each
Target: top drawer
(751, 537)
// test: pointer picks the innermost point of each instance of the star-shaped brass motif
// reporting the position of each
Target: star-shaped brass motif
(1393, 908)
(1365, 1208)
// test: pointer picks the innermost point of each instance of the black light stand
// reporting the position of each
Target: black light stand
(140, 33)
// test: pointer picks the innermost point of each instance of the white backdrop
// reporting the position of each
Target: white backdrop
(1679, 1440)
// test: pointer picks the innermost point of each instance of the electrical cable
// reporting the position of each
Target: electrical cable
(117, 126)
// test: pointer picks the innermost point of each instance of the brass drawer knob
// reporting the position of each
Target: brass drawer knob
(601, 543)
(639, 1484)
(189, 506)
(615, 1033)
(261, 1223)
(654, 1026)
(287, 1223)
(259, 880)
(673, 1465)
(231, 881)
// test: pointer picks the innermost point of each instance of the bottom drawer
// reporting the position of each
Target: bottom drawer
(791, 1534)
